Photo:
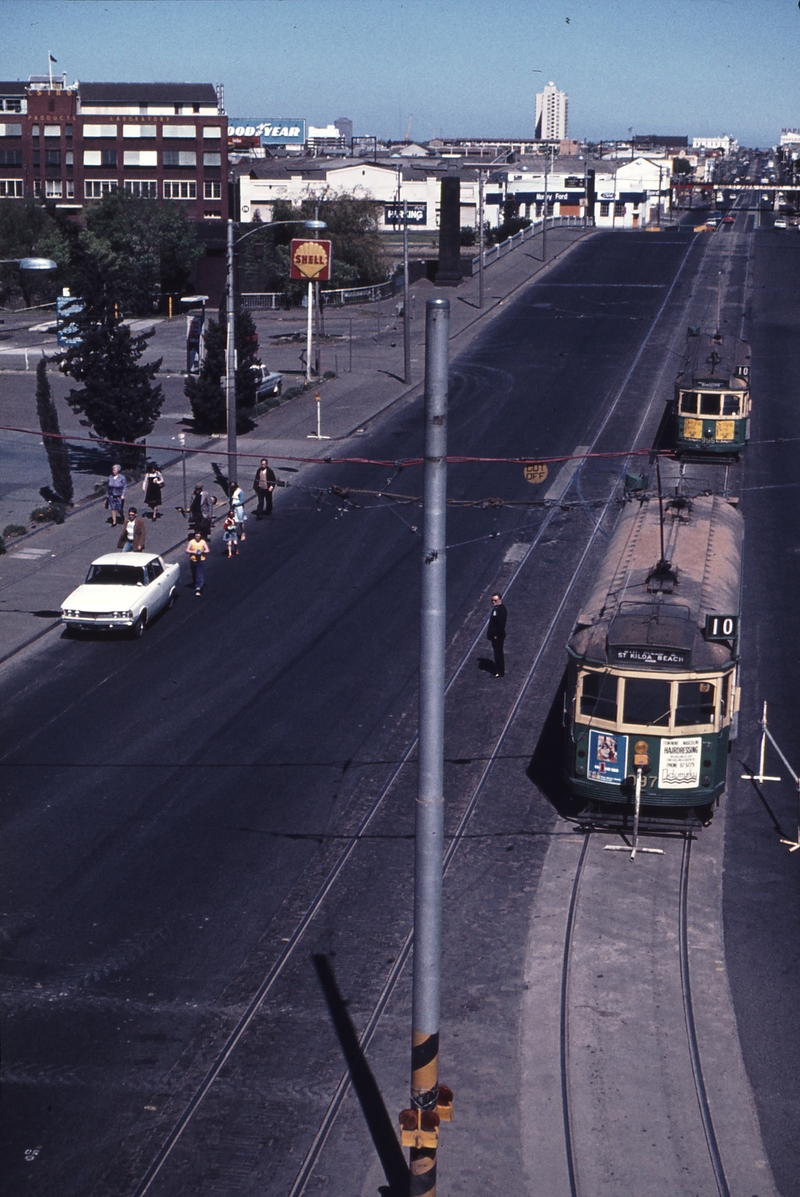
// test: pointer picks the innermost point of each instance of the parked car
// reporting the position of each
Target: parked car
(779, 222)
(121, 591)
(728, 219)
(713, 220)
(269, 383)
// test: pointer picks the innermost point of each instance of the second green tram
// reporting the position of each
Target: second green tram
(652, 689)
(711, 407)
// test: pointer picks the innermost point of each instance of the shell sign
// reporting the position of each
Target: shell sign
(311, 260)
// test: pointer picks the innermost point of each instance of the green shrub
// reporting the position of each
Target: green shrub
(2, 546)
(50, 513)
(14, 530)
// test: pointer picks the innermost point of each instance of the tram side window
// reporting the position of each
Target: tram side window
(695, 704)
(599, 696)
(689, 403)
(709, 405)
(725, 695)
(730, 405)
(647, 701)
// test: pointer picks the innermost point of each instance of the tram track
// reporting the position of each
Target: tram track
(672, 996)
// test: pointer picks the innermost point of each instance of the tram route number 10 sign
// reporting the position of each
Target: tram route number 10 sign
(311, 260)
(721, 627)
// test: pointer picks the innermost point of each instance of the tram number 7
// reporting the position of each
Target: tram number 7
(722, 627)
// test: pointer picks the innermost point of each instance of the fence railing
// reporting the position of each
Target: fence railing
(276, 300)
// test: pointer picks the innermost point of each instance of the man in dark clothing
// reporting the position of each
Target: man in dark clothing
(496, 634)
(201, 511)
(264, 485)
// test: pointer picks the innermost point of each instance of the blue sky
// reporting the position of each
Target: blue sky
(460, 67)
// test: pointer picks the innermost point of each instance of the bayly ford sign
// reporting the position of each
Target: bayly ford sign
(277, 131)
(311, 260)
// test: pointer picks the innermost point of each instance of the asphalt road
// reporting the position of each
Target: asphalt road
(175, 804)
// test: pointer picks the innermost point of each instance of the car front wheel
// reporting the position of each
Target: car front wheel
(139, 626)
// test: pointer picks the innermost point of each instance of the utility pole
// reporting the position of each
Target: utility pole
(406, 312)
(480, 237)
(230, 364)
(430, 1102)
(544, 210)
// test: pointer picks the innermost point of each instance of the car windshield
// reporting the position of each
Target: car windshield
(115, 575)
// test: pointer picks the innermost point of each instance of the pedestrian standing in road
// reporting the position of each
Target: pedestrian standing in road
(201, 511)
(115, 495)
(152, 486)
(132, 537)
(198, 550)
(264, 485)
(237, 505)
(230, 534)
(496, 634)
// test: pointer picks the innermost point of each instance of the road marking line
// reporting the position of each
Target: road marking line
(564, 477)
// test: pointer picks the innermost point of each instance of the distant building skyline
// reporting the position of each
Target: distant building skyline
(552, 108)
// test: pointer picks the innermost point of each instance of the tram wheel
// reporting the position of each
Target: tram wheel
(705, 813)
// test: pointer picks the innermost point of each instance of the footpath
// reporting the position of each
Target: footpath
(365, 348)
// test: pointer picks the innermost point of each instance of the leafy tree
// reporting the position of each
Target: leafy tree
(206, 392)
(55, 447)
(28, 230)
(118, 397)
(132, 251)
(681, 166)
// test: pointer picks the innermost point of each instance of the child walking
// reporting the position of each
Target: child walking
(230, 534)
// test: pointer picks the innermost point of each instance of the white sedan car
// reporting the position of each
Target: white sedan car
(122, 590)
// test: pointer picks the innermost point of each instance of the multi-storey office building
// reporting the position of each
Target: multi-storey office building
(552, 108)
(72, 144)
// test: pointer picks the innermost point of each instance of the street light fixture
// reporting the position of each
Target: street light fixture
(230, 352)
(30, 263)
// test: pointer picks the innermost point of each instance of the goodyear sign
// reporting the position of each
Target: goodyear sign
(311, 260)
(273, 131)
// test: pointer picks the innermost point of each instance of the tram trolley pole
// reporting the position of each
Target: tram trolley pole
(431, 1102)
(641, 766)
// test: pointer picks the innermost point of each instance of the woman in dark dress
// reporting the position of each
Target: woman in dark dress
(152, 487)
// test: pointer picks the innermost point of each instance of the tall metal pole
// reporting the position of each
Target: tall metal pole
(430, 793)
(406, 312)
(480, 238)
(310, 302)
(230, 363)
(544, 209)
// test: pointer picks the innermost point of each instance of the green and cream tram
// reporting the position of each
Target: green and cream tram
(712, 396)
(652, 689)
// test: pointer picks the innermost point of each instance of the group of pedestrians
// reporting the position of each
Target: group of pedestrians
(117, 487)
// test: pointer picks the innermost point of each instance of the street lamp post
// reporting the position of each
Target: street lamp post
(230, 345)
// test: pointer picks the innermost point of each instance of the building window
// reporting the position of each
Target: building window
(68, 158)
(91, 157)
(34, 130)
(11, 105)
(212, 159)
(212, 191)
(619, 209)
(97, 188)
(99, 130)
(142, 188)
(53, 189)
(36, 157)
(605, 209)
(52, 157)
(138, 130)
(67, 130)
(37, 187)
(108, 157)
(70, 189)
(212, 131)
(214, 215)
(179, 158)
(10, 157)
(179, 131)
(140, 158)
(10, 188)
(52, 131)
(13, 130)
(176, 190)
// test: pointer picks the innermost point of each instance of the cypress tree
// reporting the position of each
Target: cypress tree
(56, 449)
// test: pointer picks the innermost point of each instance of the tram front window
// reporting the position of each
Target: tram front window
(689, 403)
(695, 704)
(647, 702)
(599, 696)
(709, 405)
(730, 405)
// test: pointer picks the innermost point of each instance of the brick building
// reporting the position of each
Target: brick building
(69, 145)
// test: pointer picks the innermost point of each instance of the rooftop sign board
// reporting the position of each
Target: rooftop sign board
(272, 131)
